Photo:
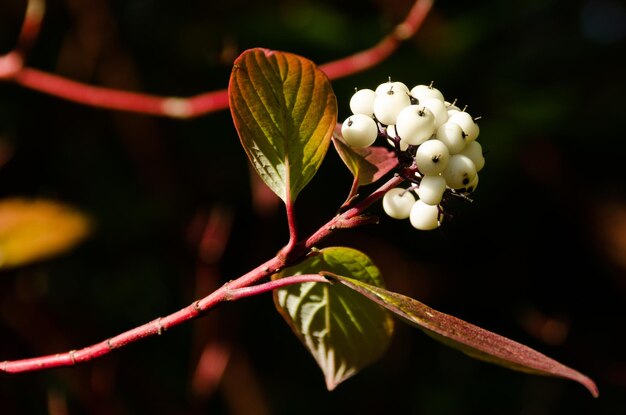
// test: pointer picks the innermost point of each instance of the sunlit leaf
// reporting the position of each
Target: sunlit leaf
(468, 338)
(341, 329)
(367, 165)
(284, 110)
(32, 230)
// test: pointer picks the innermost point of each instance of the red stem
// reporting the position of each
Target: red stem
(233, 290)
(30, 26)
(293, 230)
(349, 218)
(155, 327)
(121, 100)
(174, 107)
(13, 62)
(352, 195)
(273, 285)
(383, 49)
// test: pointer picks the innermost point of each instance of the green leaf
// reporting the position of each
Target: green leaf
(284, 110)
(341, 329)
(468, 338)
(367, 165)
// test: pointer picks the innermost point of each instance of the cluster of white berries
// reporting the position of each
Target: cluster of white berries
(430, 135)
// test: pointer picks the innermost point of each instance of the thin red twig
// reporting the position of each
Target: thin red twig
(101, 97)
(233, 290)
(31, 25)
(11, 68)
(383, 49)
(13, 62)
(293, 229)
(273, 285)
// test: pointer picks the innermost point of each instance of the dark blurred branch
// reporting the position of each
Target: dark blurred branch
(30, 26)
(12, 63)
(210, 234)
(12, 69)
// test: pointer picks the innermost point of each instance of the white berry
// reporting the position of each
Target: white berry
(452, 135)
(393, 86)
(435, 142)
(451, 106)
(474, 151)
(467, 124)
(398, 202)
(362, 102)
(415, 124)
(431, 188)
(424, 217)
(359, 130)
(452, 111)
(423, 92)
(460, 171)
(438, 109)
(388, 105)
(432, 157)
(472, 185)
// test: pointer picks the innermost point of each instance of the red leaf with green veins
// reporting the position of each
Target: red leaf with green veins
(468, 338)
(284, 110)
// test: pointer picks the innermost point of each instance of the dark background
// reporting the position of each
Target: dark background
(539, 256)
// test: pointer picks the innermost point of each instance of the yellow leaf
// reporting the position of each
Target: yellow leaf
(32, 230)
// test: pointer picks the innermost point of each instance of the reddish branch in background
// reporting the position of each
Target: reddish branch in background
(12, 69)
(209, 234)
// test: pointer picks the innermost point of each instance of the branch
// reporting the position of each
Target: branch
(349, 219)
(158, 326)
(233, 290)
(11, 68)
(100, 97)
(286, 252)
(244, 292)
(12, 63)
(381, 51)
(31, 25)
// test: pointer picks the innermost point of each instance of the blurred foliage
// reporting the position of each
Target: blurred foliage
(32, 230)
(538, 256)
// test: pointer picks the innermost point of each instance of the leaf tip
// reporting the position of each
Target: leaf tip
(590, 385)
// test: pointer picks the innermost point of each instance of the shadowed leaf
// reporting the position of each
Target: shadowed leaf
(367, 165)
(468, 338)
(32, 230)
(284, 110)
(341, 329)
